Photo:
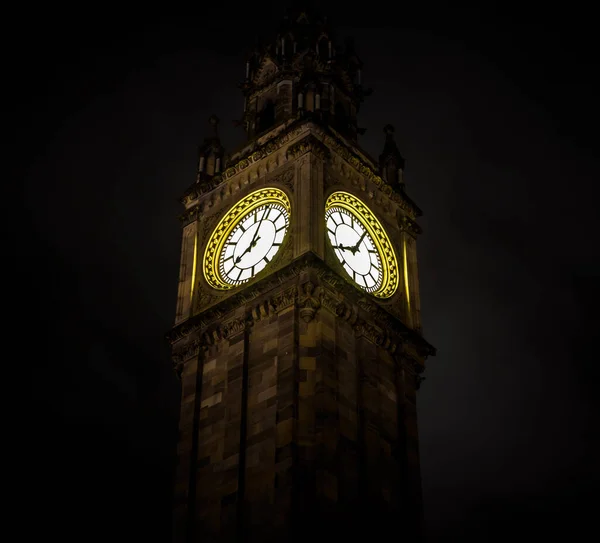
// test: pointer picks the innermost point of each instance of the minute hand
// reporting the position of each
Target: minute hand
(355, 247)
(255, 238)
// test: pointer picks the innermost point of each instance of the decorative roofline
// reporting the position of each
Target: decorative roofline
(329, 138)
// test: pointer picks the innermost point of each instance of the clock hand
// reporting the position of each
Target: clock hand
(255, 238)
(341, 246)
(252, 245)
(355, 247)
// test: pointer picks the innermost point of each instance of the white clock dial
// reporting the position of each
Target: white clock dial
(354, 248)
(253, 243)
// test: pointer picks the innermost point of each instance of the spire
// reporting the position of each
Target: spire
(210, 153)
(391, 162)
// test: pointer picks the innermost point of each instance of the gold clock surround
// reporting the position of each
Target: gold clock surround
(210, 262)
(390, 280)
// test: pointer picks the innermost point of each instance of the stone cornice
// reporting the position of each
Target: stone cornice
(410, 226)
(332, 293)
(329, 140)
(306, 145)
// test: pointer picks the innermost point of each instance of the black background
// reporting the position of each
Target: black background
(496, 112)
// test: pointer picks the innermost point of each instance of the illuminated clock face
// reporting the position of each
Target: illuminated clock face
(247, 238)
(253, 242)
(354, 248)
(361, 244)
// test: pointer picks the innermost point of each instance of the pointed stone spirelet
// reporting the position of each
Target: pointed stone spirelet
(210, 153)
(391, 161)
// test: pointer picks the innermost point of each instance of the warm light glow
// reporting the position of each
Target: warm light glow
(406, 276)
(361, 244)
(194, 266)
(247, 238)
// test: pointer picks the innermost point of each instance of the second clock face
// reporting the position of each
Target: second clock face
(354, 248)
(253, 243)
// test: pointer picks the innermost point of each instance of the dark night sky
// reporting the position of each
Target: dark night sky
(496, 113)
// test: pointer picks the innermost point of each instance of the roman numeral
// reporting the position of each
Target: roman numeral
(331, 231)
(239, 274)
(266, 260)
(280, 228)
(228, 258)
(242, 228)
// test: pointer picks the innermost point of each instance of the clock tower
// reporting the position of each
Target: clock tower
(297, 335)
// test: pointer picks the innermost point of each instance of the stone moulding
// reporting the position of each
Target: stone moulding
(326, 140)
(332, 293)
(308, 144)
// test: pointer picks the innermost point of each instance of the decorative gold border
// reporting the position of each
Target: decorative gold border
(210, 262)
(389, 282)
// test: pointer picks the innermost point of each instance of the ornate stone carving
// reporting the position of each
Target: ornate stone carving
(380, 327)
(306, 145)
(286, 178)
(233, 327)
(285, 299)
(181, 356)
(330, 140)
(203, 299)
(262, 310)
(197, 189)
(372, 333)
(309, 301)
(207, 224)
(330, 301)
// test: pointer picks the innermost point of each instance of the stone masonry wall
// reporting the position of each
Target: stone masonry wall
(298, 425)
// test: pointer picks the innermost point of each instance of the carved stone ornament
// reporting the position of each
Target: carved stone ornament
(309, 301)
(285, 299)
(234, 327)
(368, 319)
(327, 140)
(309, 144)
(286, 178)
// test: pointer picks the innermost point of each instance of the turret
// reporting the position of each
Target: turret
(210, 154)
(391, 162)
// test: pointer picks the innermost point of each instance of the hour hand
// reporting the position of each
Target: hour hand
(248, 249)
(239, 258)
(355, 247)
